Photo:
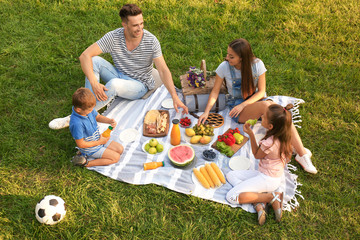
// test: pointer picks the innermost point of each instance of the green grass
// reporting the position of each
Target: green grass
(311, 51)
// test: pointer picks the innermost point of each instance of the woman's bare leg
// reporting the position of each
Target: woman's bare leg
(254, 110)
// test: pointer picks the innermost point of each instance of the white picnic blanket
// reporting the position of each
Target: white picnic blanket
(130, 114)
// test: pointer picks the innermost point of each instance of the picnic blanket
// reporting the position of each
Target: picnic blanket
(130, 114)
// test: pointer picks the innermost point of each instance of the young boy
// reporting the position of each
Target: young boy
(85, 131)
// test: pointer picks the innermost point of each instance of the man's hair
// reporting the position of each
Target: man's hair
(129, 10)
(83, 98)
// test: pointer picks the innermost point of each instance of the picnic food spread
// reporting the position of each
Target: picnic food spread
(182, 155)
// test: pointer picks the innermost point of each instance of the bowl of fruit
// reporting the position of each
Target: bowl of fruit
(153, 147)
(209, 155)
(185, 122)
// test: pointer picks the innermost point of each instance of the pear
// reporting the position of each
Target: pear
(195, 139)
(189, 132)
(205, 140)
(251, 121)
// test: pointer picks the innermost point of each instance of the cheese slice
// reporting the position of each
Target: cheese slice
(151, 117)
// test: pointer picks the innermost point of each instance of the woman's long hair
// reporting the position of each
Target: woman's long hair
(281, 120)
(243, 49)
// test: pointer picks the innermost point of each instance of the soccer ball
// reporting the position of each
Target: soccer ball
(50, 210)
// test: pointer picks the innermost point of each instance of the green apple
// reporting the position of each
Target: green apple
(153, 142)
(159, 148)
(147, 147)
(152, 150)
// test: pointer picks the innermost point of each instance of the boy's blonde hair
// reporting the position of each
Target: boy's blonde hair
(83, 98)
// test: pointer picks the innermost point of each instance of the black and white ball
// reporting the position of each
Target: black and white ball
(50, 210)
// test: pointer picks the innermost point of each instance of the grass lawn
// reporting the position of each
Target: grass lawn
(310, 48)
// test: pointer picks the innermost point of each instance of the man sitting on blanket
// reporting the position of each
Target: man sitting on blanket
(133, 50)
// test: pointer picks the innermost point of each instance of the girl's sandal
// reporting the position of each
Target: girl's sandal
(278, 211)
(261, 213)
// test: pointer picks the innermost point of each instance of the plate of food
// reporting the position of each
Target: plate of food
(153, 147)
(208, 176)
(129, 135)
(239, 163)
(156, 123)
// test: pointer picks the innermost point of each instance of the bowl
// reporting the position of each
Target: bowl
(209, 155)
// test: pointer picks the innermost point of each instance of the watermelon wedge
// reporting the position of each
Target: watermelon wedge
(181, 155)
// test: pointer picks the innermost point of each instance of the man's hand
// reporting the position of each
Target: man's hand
(99, 91)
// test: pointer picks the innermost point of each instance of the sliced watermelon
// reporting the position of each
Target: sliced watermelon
(181, 155)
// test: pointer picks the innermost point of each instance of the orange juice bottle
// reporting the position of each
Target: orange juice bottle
(153, 165)
(175, 136)
(107, 132)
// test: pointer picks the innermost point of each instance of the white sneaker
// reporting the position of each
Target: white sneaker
(306, 163)
(59, 123)
(306, 150)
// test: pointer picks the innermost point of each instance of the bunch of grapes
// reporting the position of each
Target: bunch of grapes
(202, 129)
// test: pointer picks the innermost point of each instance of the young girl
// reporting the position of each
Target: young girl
(258, 186)
(244, 75)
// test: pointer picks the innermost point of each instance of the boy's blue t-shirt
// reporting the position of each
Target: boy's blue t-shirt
(85, 127)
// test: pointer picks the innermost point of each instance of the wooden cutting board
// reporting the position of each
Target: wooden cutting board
(155, 135)
(235, 147)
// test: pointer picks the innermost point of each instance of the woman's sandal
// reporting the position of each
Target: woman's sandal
(261, 213)
(278, 211)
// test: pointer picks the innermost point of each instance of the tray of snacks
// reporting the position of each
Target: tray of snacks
(230, 142)
(156, 123)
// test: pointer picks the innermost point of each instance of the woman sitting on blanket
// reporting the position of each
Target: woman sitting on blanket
(258, 186)
(244, 75)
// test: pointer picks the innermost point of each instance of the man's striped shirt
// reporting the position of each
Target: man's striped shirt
(138, 63)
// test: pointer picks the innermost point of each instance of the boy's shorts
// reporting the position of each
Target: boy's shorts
(98, 154)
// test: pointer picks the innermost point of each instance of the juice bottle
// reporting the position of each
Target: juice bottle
(153, 165)
(107, 132)
(175, 136)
